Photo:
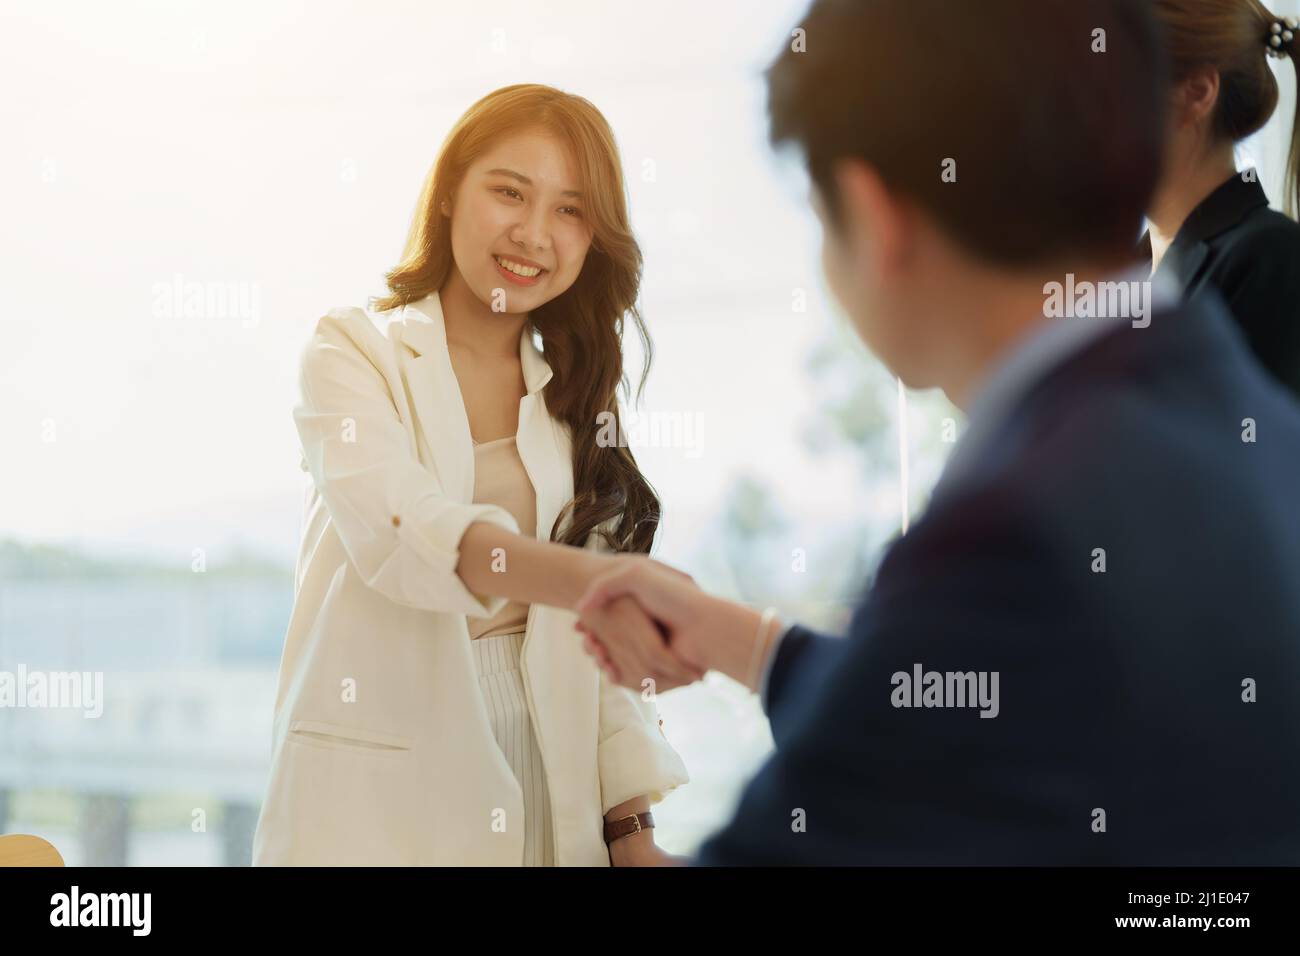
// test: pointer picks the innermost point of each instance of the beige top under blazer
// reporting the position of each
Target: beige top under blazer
(500, 478)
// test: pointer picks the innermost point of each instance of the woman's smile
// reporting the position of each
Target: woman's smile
(519, 271)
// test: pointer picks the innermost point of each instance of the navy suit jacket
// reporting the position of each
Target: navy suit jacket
(1147, 714)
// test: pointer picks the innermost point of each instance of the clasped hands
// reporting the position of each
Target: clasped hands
(649, 626)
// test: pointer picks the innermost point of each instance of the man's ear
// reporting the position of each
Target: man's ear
(872, 219)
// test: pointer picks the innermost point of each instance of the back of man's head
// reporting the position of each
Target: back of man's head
(1047, 116)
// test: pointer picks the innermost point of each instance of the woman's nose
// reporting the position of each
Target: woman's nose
(531, 231)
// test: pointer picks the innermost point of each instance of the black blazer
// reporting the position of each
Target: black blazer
(1120, 691)
(1250, 253)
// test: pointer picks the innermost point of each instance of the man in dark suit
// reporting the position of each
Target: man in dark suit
(1087, 650)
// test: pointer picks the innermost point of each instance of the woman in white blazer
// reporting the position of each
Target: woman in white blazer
(435, 705)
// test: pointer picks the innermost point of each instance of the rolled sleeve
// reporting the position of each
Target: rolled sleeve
(437, 541)
(401, 533)
(634, 756)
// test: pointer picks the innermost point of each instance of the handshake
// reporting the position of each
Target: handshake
(648, 626)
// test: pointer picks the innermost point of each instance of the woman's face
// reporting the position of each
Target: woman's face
(518, 210)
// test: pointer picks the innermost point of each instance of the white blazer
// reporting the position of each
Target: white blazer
(381, 749)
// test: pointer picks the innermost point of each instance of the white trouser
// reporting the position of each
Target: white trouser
(502, 683)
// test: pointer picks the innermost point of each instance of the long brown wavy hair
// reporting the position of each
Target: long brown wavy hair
(582, 329)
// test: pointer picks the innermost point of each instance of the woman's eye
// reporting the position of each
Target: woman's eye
(512, 193)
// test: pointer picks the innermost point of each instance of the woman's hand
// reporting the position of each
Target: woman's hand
(639, 849)
(700, 632)
(640, 652)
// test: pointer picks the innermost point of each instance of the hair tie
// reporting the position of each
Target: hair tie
(1280, 35)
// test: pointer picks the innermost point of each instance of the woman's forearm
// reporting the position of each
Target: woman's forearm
(497, 563)
(628, 807)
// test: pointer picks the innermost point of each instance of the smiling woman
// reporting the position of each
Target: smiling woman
(530, 166)
(511, 213)
(460, 504)
(516, 268)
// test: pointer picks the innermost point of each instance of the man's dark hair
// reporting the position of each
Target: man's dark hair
(1057, 148)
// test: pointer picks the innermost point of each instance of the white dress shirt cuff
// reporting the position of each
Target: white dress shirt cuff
(767, 666)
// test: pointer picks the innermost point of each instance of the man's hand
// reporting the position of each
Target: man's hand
(637, 649)
(682, 632)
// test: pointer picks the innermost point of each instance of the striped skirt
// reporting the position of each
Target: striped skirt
(502, 683)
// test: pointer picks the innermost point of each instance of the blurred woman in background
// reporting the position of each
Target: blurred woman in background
(1210, 225)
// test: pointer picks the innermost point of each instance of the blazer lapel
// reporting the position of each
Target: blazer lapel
(1186, 262)
(544, 445)
(1238, 196)
(435, 394)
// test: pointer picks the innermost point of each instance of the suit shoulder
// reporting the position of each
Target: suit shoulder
(352, 336)
(1266, 237)
(994, 517)
(361, 325)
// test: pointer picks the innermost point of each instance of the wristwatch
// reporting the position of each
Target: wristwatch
(626, 826)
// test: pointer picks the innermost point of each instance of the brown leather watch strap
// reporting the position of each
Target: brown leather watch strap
(626, 826)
